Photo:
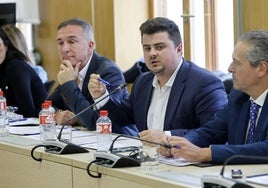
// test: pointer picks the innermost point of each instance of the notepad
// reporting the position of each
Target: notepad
(175, 161)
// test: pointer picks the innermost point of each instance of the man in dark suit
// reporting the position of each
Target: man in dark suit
(175, 97)
(75, 39)
(234, 130)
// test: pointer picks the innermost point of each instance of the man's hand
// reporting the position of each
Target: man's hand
(152, 135)
(67, 72)
(64, 116)
(185, 149)
(95, 87)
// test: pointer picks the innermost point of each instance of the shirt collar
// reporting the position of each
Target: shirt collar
(82, 73)
(260, 100)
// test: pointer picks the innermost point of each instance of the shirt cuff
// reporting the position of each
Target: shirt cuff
(102, 101)
(167, 133)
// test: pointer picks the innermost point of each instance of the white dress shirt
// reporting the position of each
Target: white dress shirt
(160, 96)
(82, 74)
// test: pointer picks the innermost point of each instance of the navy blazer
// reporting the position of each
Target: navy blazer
(227, 132)
(22, 87)
(68, 96)
(196, 95)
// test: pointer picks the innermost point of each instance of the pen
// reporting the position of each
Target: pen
(15, 120)
(168, 146)
(104, 82)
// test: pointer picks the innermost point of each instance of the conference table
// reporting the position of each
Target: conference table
(19, 169)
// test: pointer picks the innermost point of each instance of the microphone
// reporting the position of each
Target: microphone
(121, 86)
(114, 160)
(212, 181)
(64, 147)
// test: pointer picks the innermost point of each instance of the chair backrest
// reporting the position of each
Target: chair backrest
(227, 80)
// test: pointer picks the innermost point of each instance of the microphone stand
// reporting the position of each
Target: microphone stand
(115, 160)
(240, 156)
(210, 180)
(63, 147)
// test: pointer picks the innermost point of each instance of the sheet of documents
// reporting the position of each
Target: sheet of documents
(24, 121)
(24, 130)
(258, 179)
(86, 139)
(175, 161)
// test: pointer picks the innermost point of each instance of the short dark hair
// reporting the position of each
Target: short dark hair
(87, 28)
(161, 24)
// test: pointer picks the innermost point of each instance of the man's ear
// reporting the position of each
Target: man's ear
(263, 68)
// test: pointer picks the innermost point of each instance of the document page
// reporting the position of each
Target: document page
(174, 161)
(261, 179)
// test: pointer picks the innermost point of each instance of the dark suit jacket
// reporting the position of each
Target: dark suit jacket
(195, 96)
(69, 96)
(22, 87)
(230, 126)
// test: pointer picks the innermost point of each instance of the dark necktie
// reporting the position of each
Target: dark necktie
(253, 113)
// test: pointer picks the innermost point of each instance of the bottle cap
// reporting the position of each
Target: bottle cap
(49, 102)
(45, 105)
(103, 113)
(1, 92)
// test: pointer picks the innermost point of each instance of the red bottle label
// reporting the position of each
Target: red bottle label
(3, 105)
(44, 119)
(104, 128)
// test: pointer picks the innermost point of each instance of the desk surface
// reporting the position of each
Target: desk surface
(18, 168)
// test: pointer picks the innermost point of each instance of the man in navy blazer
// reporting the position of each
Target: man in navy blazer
(175, 97)
(229, 133)
(76, 45)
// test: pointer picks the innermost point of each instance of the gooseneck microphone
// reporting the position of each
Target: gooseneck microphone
(242, 157)
(115, 160)
(221, 181)
(89, 107)
(63, 147)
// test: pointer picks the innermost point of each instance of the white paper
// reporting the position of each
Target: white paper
(24, 121)
(24, 130)
(260, 179)
(175, 161)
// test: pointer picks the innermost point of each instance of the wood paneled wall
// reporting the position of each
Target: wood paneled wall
(250, 15)
(115, 22)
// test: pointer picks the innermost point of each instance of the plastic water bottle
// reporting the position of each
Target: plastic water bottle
(47, 124)
(4, 127)
(104, 130)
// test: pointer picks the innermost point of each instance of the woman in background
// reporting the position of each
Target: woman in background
(18, 40)
(21, 85)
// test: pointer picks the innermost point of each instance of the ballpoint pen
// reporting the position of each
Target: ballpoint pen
(16, 120)
(104, 82)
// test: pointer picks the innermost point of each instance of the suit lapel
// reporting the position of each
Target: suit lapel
(262, 122)
(176, 93)
(242, 124)
(91, 69)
